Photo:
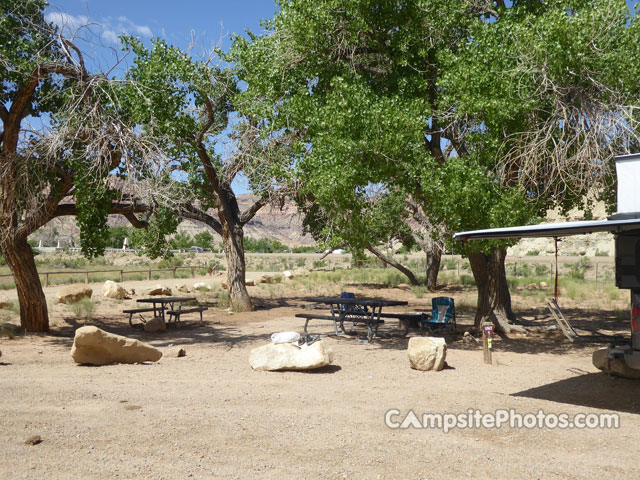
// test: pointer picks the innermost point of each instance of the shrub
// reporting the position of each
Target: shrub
(578, 269)
(541, 270)
(84, 308)
(532, 253)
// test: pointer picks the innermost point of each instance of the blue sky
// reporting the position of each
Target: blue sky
(173, 20)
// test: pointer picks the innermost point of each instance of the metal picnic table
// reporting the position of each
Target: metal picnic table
(357, 311)
(174, 310)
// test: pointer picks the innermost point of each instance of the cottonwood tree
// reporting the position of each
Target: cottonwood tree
(62, 141)
(436, 97)
(193, 106)
(548, 97)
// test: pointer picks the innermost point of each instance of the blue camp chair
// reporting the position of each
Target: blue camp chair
(352, 309)
(443, 315)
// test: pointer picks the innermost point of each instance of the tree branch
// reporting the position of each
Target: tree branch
(193, 213)
(409, 274)
(248, 214)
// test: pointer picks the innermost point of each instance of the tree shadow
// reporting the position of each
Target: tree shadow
(593, 390)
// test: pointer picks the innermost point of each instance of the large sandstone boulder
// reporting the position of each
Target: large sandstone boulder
(181, 287)
(613, 366)
(201, 286)
(427, 353)
(288, 275)
(159, 290)
(286, 356)
(111, 289)
(92, 346)
(73, 293)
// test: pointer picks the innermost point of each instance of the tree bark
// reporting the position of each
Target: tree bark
(390, 261)
(33, 303)
(233, 240)
(433, 267)
(494, 299)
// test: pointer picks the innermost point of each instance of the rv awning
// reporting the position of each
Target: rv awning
(553, 229)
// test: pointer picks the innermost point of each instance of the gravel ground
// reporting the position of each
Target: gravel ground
(208, 415)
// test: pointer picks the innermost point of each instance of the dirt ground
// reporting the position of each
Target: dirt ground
(209, 415)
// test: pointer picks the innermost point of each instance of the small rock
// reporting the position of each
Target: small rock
(132, 292)
(202, 286)
(73, 293)
(532, 286)
(249, 283)
(175, 352)
(288, 275)
(4, 304)
(155, 325)
(35, 440)
(544, 285)
(224, 284)
(181, 287)
(159, 290)
(265, 279)
(427, 353)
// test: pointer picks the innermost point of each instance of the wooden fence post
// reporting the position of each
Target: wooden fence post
(86, 276)
(149, 277)
(46, 279)
(121, 276)
(192, 272)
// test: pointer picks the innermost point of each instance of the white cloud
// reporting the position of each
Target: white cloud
(125, 26)
(109, 28)
(68, 24)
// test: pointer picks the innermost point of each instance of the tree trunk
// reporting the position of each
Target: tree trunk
(433, 267)
(494, 300)
(33, 304)
(409, 274)
(233, 240)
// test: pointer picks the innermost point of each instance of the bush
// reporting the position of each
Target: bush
(577, 270)
(541, 270)
(84, 308)
(264, 245)
(304, 249)
(532, 253)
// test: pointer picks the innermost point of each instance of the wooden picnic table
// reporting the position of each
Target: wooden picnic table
(356, 311)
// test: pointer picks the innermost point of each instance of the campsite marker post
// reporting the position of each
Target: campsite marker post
(487, 333)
